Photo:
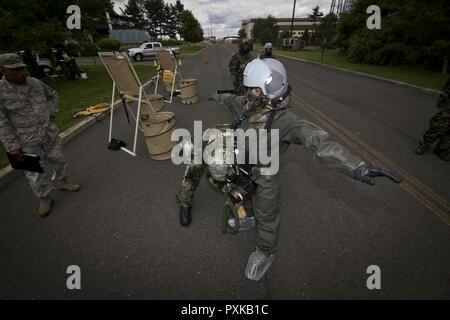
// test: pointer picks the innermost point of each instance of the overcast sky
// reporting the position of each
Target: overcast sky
(227, 14)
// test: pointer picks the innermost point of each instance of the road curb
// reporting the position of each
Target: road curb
(198, 52)
(364, 74)
(8, 174)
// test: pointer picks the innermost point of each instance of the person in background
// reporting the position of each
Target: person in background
(28, 109)
(237, 65)
(439, 130)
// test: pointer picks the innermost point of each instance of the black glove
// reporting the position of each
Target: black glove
(367, 172)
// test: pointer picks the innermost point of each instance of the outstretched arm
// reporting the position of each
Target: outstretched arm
(232, 102)
(319, 143)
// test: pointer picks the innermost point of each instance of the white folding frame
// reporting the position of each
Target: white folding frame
(125, 86)
(166, 63)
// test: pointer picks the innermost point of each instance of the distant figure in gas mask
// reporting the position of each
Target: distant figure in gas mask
(237, 65)
(267, 51)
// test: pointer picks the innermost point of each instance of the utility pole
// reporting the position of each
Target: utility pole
(292, 23)
(210, 34)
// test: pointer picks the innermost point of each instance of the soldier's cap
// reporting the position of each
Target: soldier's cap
(11, 61)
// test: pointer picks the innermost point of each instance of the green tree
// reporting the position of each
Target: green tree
(171, 24)
(155, 12)
(242, 34)
(190, 30)
(442, 48)
(408, 31)
(315, 16)
(177, 9)
(41, 25)
(306, 37)
(267, 35)
(135, 10)
(265, 28)
(327, 28)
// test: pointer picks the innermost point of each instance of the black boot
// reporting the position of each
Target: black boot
(422, 148)
(185, 215)
(443, 154)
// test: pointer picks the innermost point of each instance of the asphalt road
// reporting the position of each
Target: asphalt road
(122, 228)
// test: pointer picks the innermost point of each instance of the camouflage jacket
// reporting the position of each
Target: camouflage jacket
(444, 98)
(298, 131)
(237, 66)
(25, 112)
(441, 121)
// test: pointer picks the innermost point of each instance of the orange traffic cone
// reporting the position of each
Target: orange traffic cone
(206, 58)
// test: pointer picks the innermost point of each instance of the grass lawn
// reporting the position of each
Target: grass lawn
(186, 48)
(415, 75)
(75, 95)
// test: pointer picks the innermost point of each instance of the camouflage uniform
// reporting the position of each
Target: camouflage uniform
(439, 130)
(26, 111)
(237, 65)
(266, 200)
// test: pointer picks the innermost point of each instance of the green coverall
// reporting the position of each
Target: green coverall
(266, 200)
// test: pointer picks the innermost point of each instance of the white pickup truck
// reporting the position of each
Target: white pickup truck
(149, 49)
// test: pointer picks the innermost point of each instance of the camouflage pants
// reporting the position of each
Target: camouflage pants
(264, 205)
(190, 182)
(443, 146)
(53, 162)
(439, 131)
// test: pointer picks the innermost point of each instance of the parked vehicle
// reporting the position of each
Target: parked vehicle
(149, 49)
(66, 65)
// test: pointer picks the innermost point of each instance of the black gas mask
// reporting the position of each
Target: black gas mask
(256, 101)
(244, 48)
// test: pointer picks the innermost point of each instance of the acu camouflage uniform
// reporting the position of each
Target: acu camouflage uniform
(265, 202)
(439, 130)
(25, 123)
(237, 66)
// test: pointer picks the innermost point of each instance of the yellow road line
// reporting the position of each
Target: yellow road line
(423, 194)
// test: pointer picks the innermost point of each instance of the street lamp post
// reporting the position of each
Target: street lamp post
(292, 24)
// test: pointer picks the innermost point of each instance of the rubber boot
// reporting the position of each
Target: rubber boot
(185, 215)
(258, 264)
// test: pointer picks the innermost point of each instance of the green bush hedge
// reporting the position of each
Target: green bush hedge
(170, 42)
(89, 49)
(109, 44)
(73, 49)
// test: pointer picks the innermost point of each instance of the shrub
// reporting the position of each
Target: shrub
(89, 49)
(170, 42)
(390, 54)
(73, 49)
(109, 44)
(362, 45)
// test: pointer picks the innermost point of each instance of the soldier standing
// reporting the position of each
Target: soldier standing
(27, 112)
(265, 107)
(267, 51)
(237, 65)
(439, 130)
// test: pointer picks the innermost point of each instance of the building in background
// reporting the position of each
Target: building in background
(301, 25)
